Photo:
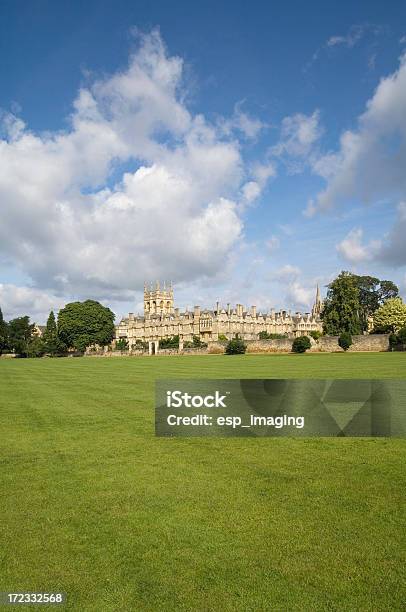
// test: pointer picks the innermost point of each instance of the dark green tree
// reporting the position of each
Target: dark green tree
(52, 343)
(81, 324)
(341, 311)
(301, 344)
(345, 341)
(3, 333)
(236, 347)
(402, 336)
(168, 343)
(19, 334)
(35, 347)
(372, 294)
(122, 344)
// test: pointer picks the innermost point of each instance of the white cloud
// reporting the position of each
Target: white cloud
(174, 215)
(18, 301)
(249, 126)
(299, 295)
(371, 161)
(393, 248)
(370, 164)
(299, 136)
(285, 273)
(263, 172)
(350, 39)
(352, 249)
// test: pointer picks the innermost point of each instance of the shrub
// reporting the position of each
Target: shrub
(393, 341)
(223, 338)
(35, 347)
(402, 336)
(197, 343)
(345, 340)
(140, 345)
(398, 341)
(316, 334)
(236, 347)
(263, 335)
(301, 344)
(169, 342)
(122, 344)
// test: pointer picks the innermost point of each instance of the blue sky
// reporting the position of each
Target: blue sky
(245, 150)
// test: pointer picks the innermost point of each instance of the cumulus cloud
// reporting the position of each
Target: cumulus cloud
(371, 161)
(299, 295)
(285, 273)
(393, 248)
(16, 301)
(249, 126)
(299, 136)
(370, 167)
(352, 249)
(173, 213)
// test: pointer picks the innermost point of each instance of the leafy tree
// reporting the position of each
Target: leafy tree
(139, 344)
(393, 341)
(35, 347)
(81, 324)
(196, 343)
(172, 342)
(19, 334)
(345, 340)
(52, 343)
(341, 312)
(315, 334)
(264, 335)
(236, 347)
(372, 294)
(3, 333)
(122, 344)
(391, 316)
(402, 336)
(301, 344)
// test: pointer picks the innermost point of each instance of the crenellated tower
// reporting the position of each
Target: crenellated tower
(157, 300)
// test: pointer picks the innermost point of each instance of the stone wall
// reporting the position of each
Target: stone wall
(373, 342)
(325, 344)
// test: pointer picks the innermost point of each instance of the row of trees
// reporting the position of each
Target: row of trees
(355, 303)
(79, 325)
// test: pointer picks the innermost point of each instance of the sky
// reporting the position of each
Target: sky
(245, 151)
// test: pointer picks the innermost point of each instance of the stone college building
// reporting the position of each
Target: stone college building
(162, 320)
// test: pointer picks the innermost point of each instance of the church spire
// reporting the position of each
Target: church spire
(318, 304)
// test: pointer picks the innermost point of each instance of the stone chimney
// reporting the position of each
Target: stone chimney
(196, 311)
(176, 312)
(253, 311)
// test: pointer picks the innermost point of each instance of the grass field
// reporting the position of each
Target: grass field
(94, 505)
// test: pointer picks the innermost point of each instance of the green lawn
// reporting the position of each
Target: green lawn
(94, 505)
